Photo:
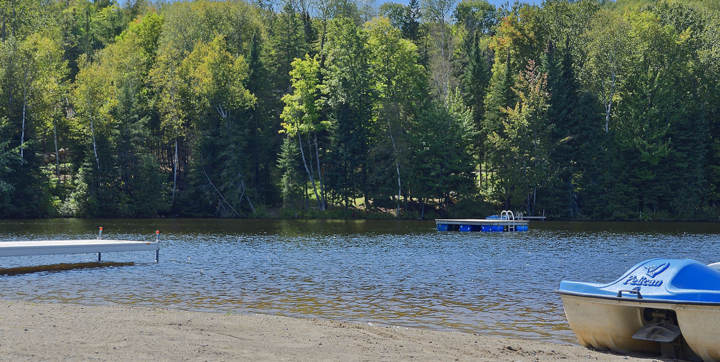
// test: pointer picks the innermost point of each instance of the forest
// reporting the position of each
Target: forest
(587, 109)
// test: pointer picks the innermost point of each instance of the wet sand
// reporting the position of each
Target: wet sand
(30, 331)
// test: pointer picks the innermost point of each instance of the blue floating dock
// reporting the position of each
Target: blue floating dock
(484, 225)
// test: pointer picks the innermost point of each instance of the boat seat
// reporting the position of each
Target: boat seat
(715, 266)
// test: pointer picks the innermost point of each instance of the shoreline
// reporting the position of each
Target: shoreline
(56, 331)
(370, 217)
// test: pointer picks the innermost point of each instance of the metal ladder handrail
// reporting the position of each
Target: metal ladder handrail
(508, 215)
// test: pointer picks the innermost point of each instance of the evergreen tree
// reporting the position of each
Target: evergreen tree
(439, 143)
(263, 124)
(347, 86)
(287, 43)
(561, 196)
(499, 95)
(410, 25)
(522, 143)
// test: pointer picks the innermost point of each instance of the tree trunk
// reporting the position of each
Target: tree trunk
(399, 194)
(8, 68)
(446, 72)
(24, 109)
(397, 170)
(534, 200)
(175, 169)
(92, 133)
(57, 154)
(310, 175)
(609, 102)
(222, 198)
(244, 193)
(305, 194)
(320, 179)
(247, 197)
(312, 166)
(22, 134)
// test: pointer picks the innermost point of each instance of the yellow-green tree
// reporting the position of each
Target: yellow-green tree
(398, 83)
(301, 116)
(213, 79)
(521, 145)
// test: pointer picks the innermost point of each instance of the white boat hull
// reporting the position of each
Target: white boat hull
(700, 326)
(603, 323)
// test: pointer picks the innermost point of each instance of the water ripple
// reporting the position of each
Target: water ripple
(399, 273)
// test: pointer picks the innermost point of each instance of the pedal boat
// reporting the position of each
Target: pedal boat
(662, 306)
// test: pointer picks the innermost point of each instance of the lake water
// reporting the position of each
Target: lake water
(400, 273)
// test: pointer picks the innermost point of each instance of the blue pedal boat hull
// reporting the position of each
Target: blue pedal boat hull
(679, 296)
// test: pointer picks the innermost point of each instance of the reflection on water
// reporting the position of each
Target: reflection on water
(401, 273)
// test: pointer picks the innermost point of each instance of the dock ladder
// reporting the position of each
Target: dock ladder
(508, 215)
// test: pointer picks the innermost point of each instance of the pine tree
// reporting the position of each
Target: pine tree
(411, 23)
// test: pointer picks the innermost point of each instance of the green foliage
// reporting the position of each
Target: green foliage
(441, 164)
(213, 80)
(287, 43)
(473, 62)
(292, 181)
(476, 16)
(574, 116)
(399, 84)
(7, 158)
(394, 12)
(575, 109)
(498, 97)
(521, 146)
(350, 97)
(411, 21)
(302, 117)
(302, 107)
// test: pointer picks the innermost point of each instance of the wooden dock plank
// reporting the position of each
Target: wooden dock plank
(55, 247)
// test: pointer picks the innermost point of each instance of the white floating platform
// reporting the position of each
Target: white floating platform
(55, 247)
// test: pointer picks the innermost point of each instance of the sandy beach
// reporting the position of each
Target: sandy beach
(30, 331)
